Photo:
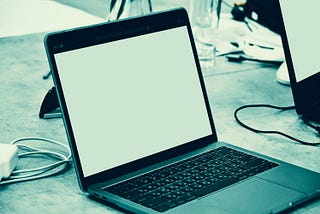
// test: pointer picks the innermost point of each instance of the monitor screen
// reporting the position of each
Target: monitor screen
(301, 27)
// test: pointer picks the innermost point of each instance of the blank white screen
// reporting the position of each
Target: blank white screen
(132, 98)
(301, 24)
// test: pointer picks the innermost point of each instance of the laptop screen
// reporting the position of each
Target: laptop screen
(303, 36)
(133, 97)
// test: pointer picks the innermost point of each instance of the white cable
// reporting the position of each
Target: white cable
(42, 171)
(34, 177)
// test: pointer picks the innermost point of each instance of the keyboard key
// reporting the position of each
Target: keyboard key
(154, 202)
(188, 197)
(143, 198)
(161, 208)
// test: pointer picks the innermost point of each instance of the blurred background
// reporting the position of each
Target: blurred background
(19, 17)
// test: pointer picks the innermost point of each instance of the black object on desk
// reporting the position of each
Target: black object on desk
(266, 13)
(50, 107)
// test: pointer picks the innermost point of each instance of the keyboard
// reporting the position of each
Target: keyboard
(184, 181)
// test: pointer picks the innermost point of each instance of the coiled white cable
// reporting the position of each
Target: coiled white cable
(42, 171)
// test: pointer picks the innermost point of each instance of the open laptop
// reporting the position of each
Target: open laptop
(139, 124)
(300, 36)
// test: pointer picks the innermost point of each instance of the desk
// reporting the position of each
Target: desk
(230, 85)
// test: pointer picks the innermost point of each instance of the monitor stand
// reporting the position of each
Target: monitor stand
(283, 78)
(314, 114)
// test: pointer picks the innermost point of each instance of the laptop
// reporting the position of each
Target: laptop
(300, 42)
(139, 124)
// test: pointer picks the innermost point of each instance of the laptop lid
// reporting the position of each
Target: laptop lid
(300, 37)
(131, 93)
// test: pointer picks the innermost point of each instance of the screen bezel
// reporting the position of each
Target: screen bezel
(97, 34)
(305, 92)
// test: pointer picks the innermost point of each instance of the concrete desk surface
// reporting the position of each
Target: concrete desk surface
(229, 85)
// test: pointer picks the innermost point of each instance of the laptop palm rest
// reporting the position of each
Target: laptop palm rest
(235, 199)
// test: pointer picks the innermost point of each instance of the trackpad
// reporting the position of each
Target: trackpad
(252, 196)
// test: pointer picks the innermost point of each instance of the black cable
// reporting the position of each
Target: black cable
(47, 75)
(241, 58)
(269, 131)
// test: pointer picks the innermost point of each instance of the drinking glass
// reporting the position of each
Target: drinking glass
(205, 16)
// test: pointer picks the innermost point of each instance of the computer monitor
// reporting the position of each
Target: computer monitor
(300, 36)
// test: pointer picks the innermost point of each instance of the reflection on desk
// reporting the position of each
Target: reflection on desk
(229, 85)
